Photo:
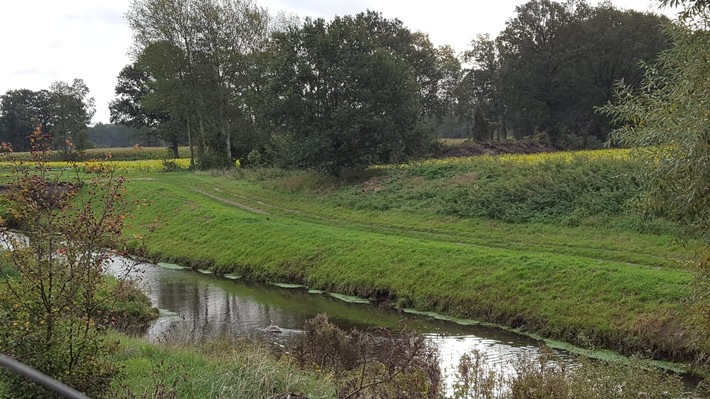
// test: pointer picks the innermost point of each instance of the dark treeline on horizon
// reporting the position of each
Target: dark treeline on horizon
(228, 79)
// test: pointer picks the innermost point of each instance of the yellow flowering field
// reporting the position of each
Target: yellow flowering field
(117, 154)
(530, 159)
(148, 165)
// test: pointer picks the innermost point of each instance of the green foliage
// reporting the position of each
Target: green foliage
(481, 127)
(557, 61)
(72, 112)
(667, 124)
(210, 160)
(63, 111)
(552, 192)
(218, 369)
(123, 306)
(197, 72)
(254, 159)
(600, 282)
(21, 111)
(690, 8)
(355, 100)
(6, 268)
(53, 309)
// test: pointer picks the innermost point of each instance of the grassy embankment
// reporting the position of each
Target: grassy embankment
(211, 370)
(538, 242)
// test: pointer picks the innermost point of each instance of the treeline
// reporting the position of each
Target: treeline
(551, 66)
(62, 113)
(229, 79)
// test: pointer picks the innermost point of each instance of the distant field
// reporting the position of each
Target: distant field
(116, 154)
(452, 142)
(147, 165)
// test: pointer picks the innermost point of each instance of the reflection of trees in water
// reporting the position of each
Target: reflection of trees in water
(207, 311)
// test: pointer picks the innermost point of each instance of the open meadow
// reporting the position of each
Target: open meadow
(547, 243)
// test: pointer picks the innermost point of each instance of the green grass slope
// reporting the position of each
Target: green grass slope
(595, 283)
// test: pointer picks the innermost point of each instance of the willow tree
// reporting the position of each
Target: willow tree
(668, 124)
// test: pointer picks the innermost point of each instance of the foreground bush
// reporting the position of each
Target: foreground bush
(405, 365)
(53, 308)
(400, 365)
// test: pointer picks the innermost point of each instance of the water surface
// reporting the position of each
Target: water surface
(199, 306)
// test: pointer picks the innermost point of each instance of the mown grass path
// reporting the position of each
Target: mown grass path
(608, 288)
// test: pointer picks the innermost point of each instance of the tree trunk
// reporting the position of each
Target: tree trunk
(175, 147)
(189, 143)
(227, 137)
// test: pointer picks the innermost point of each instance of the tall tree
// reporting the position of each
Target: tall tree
(232, 31)
(349, 93)
(559, 61)
(165, 34)
(128, 108)
(479, 93)
(534, 64)
(21, 111)
(198, 51)
(136, 104)
(72, 110)
(451, 74)
(64, 111)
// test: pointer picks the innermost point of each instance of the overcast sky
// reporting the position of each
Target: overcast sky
(48, 40)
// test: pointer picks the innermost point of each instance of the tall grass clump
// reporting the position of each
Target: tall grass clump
(216, 369)
(548, 192)
(564, 188)
(405, 366)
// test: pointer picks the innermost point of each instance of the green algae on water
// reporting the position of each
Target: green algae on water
(348, 298)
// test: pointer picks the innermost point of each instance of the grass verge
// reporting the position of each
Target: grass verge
(607, 286)
(218, 369)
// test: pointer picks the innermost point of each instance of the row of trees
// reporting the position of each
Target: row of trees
(329, 95)
(227, 78)
(63, 112)
(551, 66)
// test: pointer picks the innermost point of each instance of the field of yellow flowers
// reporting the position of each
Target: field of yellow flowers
(148, 165)
(528, 159)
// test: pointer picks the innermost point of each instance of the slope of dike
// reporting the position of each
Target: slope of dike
(401, 237)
